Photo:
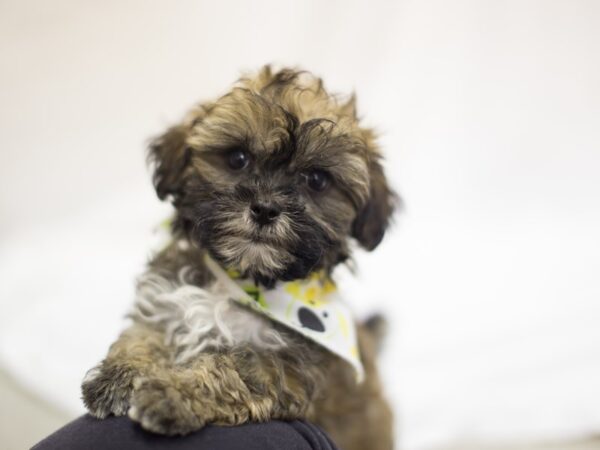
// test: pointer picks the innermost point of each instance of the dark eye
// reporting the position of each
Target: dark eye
(317, 180)
(238, 159)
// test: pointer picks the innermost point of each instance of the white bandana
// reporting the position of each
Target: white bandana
(311, 307)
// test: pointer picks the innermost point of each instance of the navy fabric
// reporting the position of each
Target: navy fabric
(116, 433)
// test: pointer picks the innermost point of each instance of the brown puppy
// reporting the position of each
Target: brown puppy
(273, 179)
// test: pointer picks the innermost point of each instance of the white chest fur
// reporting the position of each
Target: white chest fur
(195, 319)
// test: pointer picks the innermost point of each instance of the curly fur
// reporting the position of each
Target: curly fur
(195, 319)
(192, 357)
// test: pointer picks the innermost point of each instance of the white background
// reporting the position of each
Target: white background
(489, 113)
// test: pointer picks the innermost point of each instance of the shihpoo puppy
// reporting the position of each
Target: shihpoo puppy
(237, 319)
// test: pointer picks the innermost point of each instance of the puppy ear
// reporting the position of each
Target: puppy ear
(374, 217)
(169, 156)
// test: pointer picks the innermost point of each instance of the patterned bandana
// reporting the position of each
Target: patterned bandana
(311, 307)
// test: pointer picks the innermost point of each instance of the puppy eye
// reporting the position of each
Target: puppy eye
(317, 180)
(238, 159)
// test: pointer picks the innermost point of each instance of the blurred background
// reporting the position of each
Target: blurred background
(489, 115)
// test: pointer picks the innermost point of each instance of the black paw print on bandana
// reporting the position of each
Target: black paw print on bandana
(309, 319)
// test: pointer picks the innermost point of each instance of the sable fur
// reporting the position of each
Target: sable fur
(191, 357)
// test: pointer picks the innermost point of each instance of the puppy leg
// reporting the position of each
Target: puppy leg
(357, 416)
(228, 388)
(107, 388)
(358, 420)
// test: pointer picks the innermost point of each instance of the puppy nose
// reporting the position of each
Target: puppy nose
(264, 213)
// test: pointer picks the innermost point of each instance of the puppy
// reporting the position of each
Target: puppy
(270, 183)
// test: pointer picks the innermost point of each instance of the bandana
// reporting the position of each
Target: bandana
(311, 307)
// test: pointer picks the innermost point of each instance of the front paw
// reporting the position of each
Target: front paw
(159, 407)
(106, 389)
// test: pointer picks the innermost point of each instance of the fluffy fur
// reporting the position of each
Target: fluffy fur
(195, 319)
(274, 179)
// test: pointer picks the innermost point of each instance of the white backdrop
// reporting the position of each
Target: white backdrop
(490, 118)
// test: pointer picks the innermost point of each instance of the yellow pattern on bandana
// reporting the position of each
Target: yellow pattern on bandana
(311, 307)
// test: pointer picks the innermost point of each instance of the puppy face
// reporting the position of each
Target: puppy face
(274, 178)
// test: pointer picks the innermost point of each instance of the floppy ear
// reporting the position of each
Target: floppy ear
(170, 157)
(374, 217)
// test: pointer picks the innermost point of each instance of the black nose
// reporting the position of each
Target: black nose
(264, 213)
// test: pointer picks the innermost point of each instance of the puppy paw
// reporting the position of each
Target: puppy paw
(161, 408)
(106, 389)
